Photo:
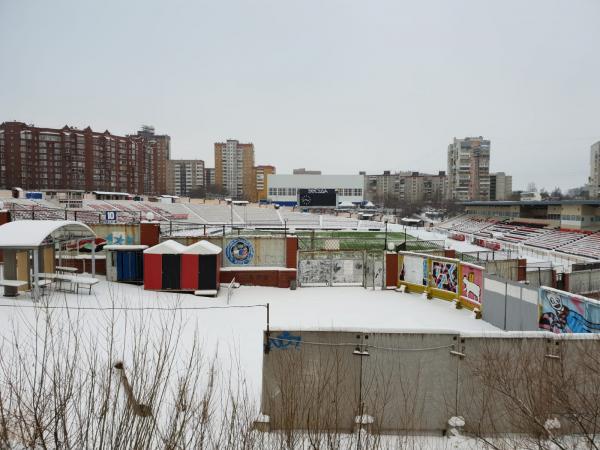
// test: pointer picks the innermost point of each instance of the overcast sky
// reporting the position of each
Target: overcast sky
(335, 85)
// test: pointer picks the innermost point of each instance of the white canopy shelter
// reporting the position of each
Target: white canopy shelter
(32, 235)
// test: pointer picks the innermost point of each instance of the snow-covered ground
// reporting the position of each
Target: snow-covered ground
(237, 331)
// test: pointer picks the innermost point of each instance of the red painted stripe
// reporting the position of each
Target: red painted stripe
(189, 272)
(152, 272)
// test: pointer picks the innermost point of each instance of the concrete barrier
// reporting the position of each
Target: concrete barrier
(414, 382)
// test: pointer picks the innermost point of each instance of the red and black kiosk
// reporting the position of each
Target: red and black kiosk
(162, 266)
(201, 267)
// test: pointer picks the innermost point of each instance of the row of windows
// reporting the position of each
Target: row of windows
(347, 192)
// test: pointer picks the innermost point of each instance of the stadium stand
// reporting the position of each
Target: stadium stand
(571, 242)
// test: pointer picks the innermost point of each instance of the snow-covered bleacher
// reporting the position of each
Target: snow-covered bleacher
(554, 239)
(588, 246)
(571, 242)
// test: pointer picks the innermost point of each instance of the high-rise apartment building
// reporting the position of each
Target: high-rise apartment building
(70, 158)
(594, 181)
(209, 176)
(469, 169)
(184, 176)
(234, 168)
(262, 173)
(500, 186)
(410, 187)
(157, 152)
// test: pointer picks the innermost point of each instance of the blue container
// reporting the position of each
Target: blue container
(130, 266)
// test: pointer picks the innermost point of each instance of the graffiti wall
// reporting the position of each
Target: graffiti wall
(471, 284)
(413, 269)
(563, 312)
(444, 275)
(445, 278)
(118, 234)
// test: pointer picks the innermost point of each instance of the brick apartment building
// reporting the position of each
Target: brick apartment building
(70, 158)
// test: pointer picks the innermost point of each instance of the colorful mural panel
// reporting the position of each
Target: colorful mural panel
(444, 276)
(472, 283)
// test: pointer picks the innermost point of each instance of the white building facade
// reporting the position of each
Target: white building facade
(283, 189)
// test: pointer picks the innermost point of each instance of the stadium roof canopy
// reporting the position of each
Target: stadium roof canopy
(31, 234)
(533, 203)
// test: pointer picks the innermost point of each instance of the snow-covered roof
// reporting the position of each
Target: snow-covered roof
(125, 247)
(28, 234)
(346, 204)
(111, 193)
(166, 247)
(203, 248)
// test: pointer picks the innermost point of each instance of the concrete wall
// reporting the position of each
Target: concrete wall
(267, 251)
(506, 268)
(510, 305)
(584, 281)
(341, 268)
(543, 276)
(414, 382)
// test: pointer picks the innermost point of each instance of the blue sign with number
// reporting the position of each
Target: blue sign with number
(110, 216)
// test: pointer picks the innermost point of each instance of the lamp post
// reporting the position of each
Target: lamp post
(386, 236)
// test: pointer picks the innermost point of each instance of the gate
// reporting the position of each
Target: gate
(374, 270)
(331, 268)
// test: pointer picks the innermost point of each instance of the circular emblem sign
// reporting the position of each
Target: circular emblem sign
(239, 251)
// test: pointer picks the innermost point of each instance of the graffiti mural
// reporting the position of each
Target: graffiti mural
(413, 269)
(444, 276)
(239, 251)
(472, 283)
(562, 312)
(286, 340)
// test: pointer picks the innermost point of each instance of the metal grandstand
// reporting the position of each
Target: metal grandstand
(184, 217)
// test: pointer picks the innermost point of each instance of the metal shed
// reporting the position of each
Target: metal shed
(162, 266)
(200, 267)
(125, 263)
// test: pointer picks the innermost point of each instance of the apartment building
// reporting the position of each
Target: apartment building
(469, 169)
(234, 168)
(185, 176)
(410, 187)
(209, 176)
(261, 174)
(157, 151)
(500, 186)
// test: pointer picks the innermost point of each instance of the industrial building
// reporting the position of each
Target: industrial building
(284, 189)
